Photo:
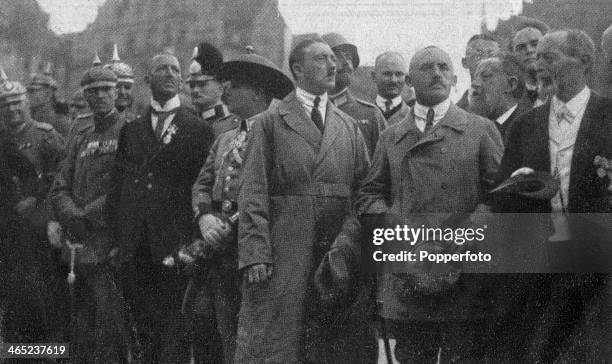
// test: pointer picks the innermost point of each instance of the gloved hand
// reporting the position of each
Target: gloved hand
(25, 205)
(258, 273)
(212, 227)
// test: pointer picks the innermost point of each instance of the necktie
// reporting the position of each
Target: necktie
(315, 115)
(161, 120)
(388, 104)
(429, 120)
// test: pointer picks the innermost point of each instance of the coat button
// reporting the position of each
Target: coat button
(443, 150)
(149, 174)
(136, 180)
(149, 186)
(228, 178)
(444, 185)
(230, 168)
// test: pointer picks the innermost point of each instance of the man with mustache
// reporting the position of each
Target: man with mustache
(567, 137)
(479, 47)
(304, 161)
(389, 75)
(497, 88)
(43, 102)
(369, 119)
(158, 158)
(523, 45)
(125, 86)
(207, 89)
(79, 196)
(434, 165)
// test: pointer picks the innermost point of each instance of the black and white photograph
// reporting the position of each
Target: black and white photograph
(306, 181)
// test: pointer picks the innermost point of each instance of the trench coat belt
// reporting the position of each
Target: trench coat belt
(316, 189)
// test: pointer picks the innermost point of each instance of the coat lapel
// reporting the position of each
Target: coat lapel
(293, 113)
(586, 140)
(452, 120)
(538, 147)
(333, 125)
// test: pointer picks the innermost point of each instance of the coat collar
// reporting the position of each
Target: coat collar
(294, 115)
(454, 119)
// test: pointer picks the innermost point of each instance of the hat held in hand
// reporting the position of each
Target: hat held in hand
(538, 185)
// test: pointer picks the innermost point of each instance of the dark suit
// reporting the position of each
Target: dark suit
(504, 129)
(561, 303)
(149, 208)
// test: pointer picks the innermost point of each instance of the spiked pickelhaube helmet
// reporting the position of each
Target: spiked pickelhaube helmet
(123, 71)
(44, 79)
(338, 43)
(10, 91)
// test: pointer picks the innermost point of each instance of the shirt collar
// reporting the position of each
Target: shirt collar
(380, 101)
(171, 104)
(503, 117)
(307, 98)
(219, 110)
(440, 110)
(576, 105)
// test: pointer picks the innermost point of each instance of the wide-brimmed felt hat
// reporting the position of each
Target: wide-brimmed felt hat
(261, 71)
(538, 185)
(338, 42)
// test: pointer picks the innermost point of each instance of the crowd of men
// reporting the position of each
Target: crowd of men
(236, 229)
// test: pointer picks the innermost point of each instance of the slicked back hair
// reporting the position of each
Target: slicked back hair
(297, 53)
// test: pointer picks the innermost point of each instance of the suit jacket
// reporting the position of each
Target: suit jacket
(396, 114)
(589, 201)
(294, 201)
(505, 128)
(151, 182)
(418, 180)
(528, 146)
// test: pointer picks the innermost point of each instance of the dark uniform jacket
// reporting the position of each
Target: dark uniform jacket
(47, 114)
(151, 183)
(220, 119)
(427, 179)
(368, 117)
(44, 147)
(295, 200)
(83, 183)
(396, 114)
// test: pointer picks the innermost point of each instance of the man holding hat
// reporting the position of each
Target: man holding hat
(207, 89)
(253, 82)
(158, 158)
(304, 160)
(125, 86)
(41, 93)
(79, 197)
(370, 119)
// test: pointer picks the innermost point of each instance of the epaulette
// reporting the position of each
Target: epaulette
(365, 103)
(43, 126)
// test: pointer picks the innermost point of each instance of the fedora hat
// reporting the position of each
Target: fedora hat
(538, 185)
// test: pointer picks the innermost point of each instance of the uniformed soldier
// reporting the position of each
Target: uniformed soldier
(43, 102)
(206, 89)
(369, 118)
(125, 86)
(212, 294)
(78, 106)
(79, 197)
(27, 289)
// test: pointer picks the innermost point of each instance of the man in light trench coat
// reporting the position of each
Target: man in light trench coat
(304, 162)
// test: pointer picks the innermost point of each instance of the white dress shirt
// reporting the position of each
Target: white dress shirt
(563, 123)
(307, 100)
(503, 117)
(173, 103)
(420, 113)
(380, 102)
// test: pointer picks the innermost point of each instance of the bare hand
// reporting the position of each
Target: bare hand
(54, 234)
(258, 273)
